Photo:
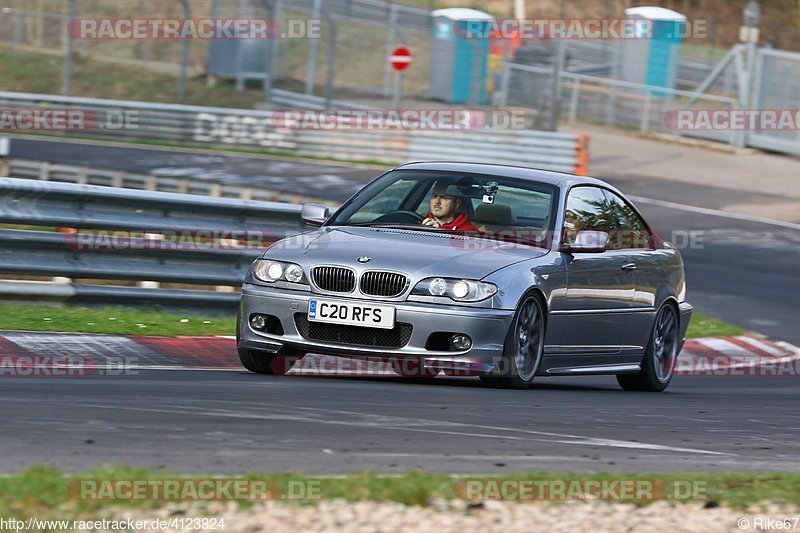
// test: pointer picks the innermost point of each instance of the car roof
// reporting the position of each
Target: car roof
(559, 179)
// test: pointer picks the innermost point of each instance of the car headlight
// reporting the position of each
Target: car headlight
(461, 290)
(272, 271)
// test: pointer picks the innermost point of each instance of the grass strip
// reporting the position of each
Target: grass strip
(41, 491)
(113, 321)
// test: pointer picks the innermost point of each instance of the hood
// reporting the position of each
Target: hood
(418, 253)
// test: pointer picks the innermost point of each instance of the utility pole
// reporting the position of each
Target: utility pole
(311, 71)
(66, 82)
(187, 14)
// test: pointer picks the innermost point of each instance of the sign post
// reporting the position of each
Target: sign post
(400, 59)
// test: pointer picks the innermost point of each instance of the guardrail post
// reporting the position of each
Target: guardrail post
(504, 85)
(117, 180)
(151, 184)
(648, 103)
(573, 103)
(44, 171)
(83, 176)
(5, 149)
(62, 279)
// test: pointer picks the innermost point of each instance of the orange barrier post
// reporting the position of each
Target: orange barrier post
(582, 155)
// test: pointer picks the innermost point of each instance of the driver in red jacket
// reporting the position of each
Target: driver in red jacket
(444, 212)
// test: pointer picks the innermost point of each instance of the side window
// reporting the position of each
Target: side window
(632, 231)
(587, 210)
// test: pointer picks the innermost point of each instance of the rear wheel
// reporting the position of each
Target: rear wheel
(523, 347)
(659, 361)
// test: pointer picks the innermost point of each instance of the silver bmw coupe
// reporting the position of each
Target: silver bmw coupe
(501, 272)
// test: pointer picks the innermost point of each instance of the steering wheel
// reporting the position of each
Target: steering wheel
(401, 217)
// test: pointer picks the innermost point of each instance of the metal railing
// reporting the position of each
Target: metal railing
(265, 130)
(133, 235)
(612, 102)
(192, 184)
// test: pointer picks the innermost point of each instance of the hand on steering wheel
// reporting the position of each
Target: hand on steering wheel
(400, 217)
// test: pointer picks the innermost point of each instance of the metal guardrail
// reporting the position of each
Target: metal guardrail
(293, 100)
(147, 250)
(199, 185)
(196, 125)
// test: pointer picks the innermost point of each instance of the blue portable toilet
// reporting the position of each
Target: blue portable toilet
(651, 58)
(460, 55)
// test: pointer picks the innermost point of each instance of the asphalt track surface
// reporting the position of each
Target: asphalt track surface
(218, 422)
(231, 421)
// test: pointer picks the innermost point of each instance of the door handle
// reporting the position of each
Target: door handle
(628, 267)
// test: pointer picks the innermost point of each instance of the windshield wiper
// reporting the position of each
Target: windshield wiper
(396, 225)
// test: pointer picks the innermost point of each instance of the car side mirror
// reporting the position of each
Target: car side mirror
(588, 242)
(314, 214)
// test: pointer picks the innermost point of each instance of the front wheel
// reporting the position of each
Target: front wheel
(661, 355)
(523, 347)
(264, 363)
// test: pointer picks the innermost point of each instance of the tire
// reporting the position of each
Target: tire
(256, 362)
(660, 357)
(265, 363)
(413, 368)
(523, 347)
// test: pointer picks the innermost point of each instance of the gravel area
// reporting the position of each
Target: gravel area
(337, 515)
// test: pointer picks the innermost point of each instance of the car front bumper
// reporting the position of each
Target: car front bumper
(486, 327)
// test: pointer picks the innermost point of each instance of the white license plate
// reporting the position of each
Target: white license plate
(352, 314)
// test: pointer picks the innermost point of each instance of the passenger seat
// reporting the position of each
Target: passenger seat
(494, 218)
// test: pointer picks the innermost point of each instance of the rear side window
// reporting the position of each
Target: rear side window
(631, 230)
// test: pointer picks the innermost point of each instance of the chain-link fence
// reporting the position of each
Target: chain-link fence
(345, 53)
(608, 102)
(777, 86)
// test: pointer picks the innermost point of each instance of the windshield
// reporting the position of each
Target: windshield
(492, 207)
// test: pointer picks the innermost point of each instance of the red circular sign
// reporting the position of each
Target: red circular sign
(400, 58)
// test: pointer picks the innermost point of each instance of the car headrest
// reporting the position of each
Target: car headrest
(497, 214)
